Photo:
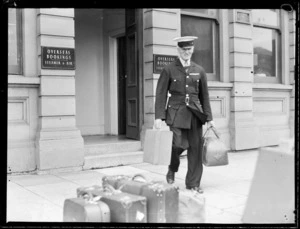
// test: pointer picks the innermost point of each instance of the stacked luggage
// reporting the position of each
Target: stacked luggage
(134, 199)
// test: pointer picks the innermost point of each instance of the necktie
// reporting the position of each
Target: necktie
(186, 66)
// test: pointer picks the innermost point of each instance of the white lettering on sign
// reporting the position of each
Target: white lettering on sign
(58, 58)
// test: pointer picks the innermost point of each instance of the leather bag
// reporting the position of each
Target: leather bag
(214, 151)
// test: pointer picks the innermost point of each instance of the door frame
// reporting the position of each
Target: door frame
(113, 75)
(113, 79)
(113, 85)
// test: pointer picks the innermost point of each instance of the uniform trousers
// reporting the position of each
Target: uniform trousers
(190, 139)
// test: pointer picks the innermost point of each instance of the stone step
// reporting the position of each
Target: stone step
(116, 147)
(112, 159)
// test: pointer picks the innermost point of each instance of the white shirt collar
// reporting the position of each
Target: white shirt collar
(184, 63)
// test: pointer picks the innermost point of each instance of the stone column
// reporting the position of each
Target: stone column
(59, 145)
(160, 27)
(243, 130)
(292, 51)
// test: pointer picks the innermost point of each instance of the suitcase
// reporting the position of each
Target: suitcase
(124, 207)
(162, 198)
(158, 146)
(191, 208)
(85, 210)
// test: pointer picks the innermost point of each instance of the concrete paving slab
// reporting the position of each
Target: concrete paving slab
(221, 216)
(214, 179)
(24, 205)
(154, 176)
(227, 218)
(31, 180)
(83, 178)
(160, 169)
(86, 174)
(240, 188)
(123, 170)
(222, 199)
(55, 193)
(239, 210)
(211, 214)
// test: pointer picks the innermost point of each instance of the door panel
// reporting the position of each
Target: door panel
(132, 84)
(122, 85)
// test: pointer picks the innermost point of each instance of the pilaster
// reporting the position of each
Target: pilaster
(292, 54)
(160, 27)
(243, 130)
(59, 144)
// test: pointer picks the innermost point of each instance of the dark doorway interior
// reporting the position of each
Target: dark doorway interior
(122, 85)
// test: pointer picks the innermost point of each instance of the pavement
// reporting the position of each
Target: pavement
(40, 198)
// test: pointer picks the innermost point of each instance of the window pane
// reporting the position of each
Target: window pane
(12, 37)
(208, 12)
(14, 54)
(266, 17)
(203, 29)
(264, 44)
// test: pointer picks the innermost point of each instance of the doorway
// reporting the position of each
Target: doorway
(122, 114)
(108, 70)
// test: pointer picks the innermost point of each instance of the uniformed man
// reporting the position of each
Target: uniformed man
(186, 83)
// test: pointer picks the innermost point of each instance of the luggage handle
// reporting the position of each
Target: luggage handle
(140, 175)
(89, 196)
(214, 131)
(111, 189)
(86, 191)
(133, 178)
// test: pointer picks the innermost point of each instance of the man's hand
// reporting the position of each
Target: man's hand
(157, 123)
(211, 124)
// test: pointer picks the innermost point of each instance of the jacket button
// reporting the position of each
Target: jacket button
(187, 76)
(186, 85)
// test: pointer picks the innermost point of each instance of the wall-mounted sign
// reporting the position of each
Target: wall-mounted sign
(58, 58)
(160, 61)
(243, 17)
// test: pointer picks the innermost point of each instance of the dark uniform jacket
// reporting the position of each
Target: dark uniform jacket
(185, 88)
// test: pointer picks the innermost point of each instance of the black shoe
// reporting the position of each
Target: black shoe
(197, 189)
(170, 177)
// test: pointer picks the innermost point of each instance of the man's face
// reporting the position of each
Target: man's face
(186, 52)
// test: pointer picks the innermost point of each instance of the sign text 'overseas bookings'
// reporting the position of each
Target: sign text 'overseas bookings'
(58, 58)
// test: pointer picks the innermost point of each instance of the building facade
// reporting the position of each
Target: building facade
(87, 72)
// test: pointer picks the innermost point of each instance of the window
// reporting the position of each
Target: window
(14, 42)
(266, 46)
(203, 24)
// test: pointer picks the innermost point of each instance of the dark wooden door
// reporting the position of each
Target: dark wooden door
(122, 115)
(132, 81)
